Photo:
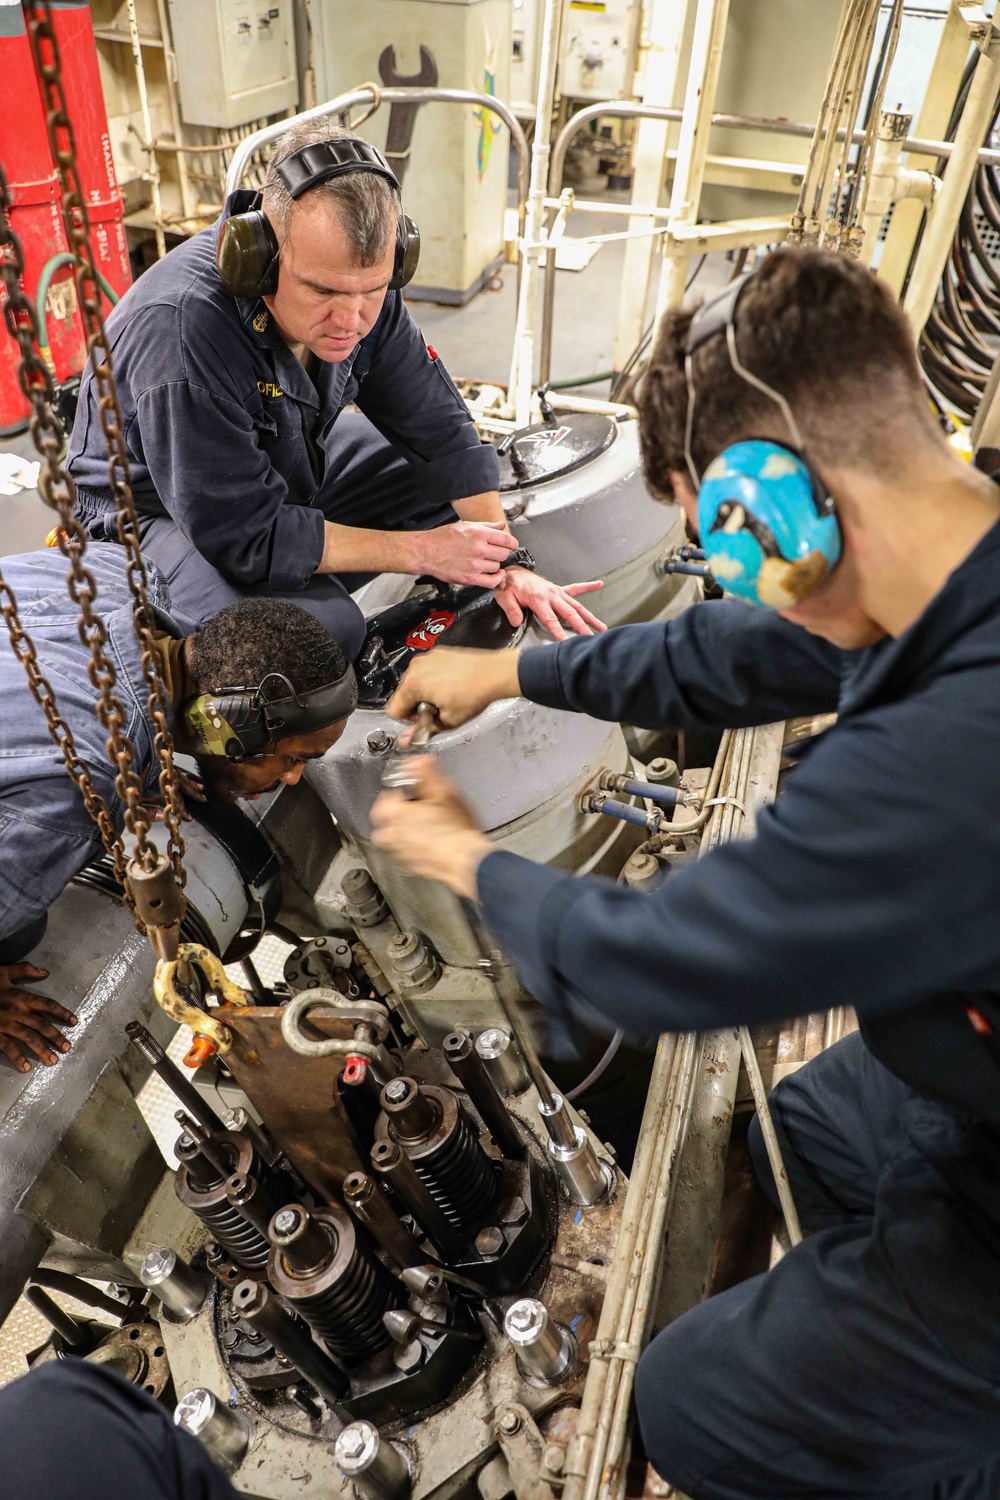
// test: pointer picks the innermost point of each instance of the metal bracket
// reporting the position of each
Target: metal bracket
(524, 1449)
(984, 32)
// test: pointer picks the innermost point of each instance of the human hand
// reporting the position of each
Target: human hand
(190, 789)
(23, 1025)
(464, 551)
(435, 834)
(550, 603)
(460, 683)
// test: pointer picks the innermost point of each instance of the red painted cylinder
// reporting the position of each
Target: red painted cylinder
(35, 217)
(85, 106)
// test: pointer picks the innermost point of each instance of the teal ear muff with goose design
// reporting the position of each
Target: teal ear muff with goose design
(247, 250)
(767, 523)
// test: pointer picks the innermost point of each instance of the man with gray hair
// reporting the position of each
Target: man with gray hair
(237, 358)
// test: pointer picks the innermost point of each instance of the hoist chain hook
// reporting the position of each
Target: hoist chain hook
(210, 1034)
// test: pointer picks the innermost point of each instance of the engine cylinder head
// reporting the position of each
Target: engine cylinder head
(429, 1126)
(322, 1268)
(202, 1189)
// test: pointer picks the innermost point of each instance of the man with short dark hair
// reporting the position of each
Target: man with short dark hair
(791, 420)
(237, 358)
(268, 646)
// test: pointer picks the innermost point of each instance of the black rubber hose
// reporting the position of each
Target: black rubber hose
(73, 1286)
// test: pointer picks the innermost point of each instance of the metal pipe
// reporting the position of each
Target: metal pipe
(396, 1168)
(64, 1324)
(653, 792)
(170, 1073)
(942, 219)
(767, 1130)
(252, 1201)
(523, 357)
(630, 110)
(82, 1291)
(258, 1305)
(182, 1290)
(467, 1065)
(153, 169)
(370, 1206)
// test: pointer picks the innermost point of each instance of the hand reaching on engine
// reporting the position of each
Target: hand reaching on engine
(25, 1029)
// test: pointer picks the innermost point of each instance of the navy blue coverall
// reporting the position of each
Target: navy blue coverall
(867, 1363)
(238, 455)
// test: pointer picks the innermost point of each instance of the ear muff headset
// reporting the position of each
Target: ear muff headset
(247, 249)
(240, 723)
(767, 522)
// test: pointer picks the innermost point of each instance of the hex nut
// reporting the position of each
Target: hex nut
(509, 1423)
(490, 1241)
(554, 1455)
(513, 1210)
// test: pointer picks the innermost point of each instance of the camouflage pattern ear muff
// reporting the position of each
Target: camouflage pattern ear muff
(247, 250)
(767, 523)
(241, 724)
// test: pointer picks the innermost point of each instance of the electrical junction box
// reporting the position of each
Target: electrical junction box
(235, 60)
(598, 50)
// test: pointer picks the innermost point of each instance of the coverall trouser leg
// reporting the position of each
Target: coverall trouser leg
(368, 484)
(73, 1429)
(867, 1362)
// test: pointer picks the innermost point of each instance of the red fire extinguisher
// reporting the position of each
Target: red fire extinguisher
(25, 152)
(35, 217)
(81, 76)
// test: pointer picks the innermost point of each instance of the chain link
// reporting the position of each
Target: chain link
(57, 488)
(45, 51)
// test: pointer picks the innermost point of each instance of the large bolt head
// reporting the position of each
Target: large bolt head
(356, 1445)
(509, 1423)
(195, 1410)
(396, 1090)
(524, 1319)
(490, 1241)
(157, 1264)
(287, 1219)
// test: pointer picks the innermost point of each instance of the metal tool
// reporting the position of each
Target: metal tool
(402, 117)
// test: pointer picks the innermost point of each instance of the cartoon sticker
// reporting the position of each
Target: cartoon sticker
(425, 635)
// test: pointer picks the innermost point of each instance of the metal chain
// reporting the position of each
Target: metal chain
(57, 489)
(45, 51)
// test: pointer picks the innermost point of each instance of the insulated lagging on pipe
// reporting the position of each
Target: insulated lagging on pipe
(653, 791)
(653, 822)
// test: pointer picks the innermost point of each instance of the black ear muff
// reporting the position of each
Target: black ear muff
(247, 255)
(404, 266)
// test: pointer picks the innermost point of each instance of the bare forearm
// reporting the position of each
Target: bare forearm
(359, 549)
(484, 507)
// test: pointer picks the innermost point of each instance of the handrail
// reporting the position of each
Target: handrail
(631, 110)
(368, 94)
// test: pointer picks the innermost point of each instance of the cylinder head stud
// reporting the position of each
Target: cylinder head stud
(375, 1466)
(586, 1179)
(182, 1290)
(225, 1432)
(546, 1352)
(502, 1060)
(427, 1123)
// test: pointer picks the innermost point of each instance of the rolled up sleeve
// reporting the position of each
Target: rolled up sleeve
(409, 396)
(221, 489)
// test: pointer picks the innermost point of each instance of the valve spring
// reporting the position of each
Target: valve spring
(245, 1243)
(459, 1176)
(347, 1313)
